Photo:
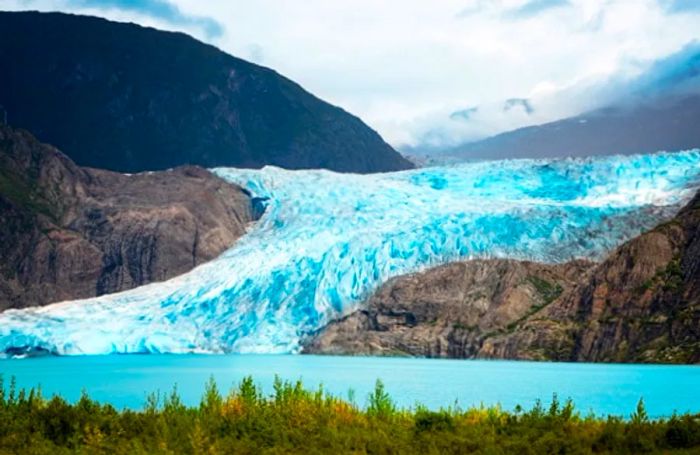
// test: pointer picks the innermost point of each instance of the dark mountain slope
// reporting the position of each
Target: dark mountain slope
(658, 124)
(68, 232)
(128, 98)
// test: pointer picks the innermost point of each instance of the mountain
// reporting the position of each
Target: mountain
(446, 311)
(327, 241)
(71, 232)
(128, 98)
(641, 304)
(659, 123)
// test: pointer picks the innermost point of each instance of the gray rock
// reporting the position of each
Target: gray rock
(70, 232)
(447, 311)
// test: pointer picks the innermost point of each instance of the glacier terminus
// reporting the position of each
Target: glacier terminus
(326, 241)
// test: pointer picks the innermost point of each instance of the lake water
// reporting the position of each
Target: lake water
(124, 381)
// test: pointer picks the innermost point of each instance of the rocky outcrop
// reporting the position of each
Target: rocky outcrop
(69, 232)
(642, 304)
(448, 311)
(129, 98)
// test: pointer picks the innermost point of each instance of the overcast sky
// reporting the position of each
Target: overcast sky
(433, 72)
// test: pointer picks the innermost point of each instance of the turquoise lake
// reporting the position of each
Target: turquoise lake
(125, 380)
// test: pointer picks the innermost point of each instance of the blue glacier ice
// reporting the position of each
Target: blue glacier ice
(327, 240)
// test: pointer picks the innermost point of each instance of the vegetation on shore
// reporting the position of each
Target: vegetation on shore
(296, 420)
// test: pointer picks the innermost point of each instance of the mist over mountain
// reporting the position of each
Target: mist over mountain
(657, 110)
(647, 127)
(127, 98)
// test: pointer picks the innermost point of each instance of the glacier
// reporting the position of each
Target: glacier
(326, 241)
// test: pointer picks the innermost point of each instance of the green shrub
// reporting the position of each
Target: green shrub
(426, 420)
(379, 402)
(293, 419)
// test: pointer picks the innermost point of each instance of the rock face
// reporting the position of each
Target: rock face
(127, 98)
(448, 311)
(70, 232)
(642, 304)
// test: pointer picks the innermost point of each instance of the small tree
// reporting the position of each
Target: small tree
(247, 391)
(211, 401)
(640, 416)
(380, 403)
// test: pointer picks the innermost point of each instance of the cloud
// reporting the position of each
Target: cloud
(535, 7)
(255, 53)
(680, 6)
(464, 114)
(475, 7)
(521, 103)
(161, 10)
(679, 72)
(405, 66)
(672, 75)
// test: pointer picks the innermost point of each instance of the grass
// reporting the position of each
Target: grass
(548, 291)
(297, 420)
(23, 194)
(669, 278)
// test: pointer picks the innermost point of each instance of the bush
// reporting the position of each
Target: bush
(297, 420)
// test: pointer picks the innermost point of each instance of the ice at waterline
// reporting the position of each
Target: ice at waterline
(327, 240)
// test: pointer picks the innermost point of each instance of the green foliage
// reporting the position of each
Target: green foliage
(669, 278)
(211, 401)
(672, 276)
(548, 291)
(427, 420)
(23, 192)
(293, 419)
(379, 402)
(683, 431)
(640, 416)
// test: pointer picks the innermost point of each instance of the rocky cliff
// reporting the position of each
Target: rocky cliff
(642, 304)
(70, 232)
(128, 98)
(448, 311)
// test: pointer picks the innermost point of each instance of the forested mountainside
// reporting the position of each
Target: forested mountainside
(127, 98)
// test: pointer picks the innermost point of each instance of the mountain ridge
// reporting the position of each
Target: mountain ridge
(123, 97)
(644, 126)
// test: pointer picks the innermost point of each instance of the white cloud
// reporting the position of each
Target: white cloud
(405, 65)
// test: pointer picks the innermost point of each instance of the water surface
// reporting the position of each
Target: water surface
(124, 381)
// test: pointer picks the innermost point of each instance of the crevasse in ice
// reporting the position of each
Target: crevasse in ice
(327, 240)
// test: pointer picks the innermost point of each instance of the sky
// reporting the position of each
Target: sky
(436, 73)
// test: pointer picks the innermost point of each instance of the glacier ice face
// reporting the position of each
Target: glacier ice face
(327, 240)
